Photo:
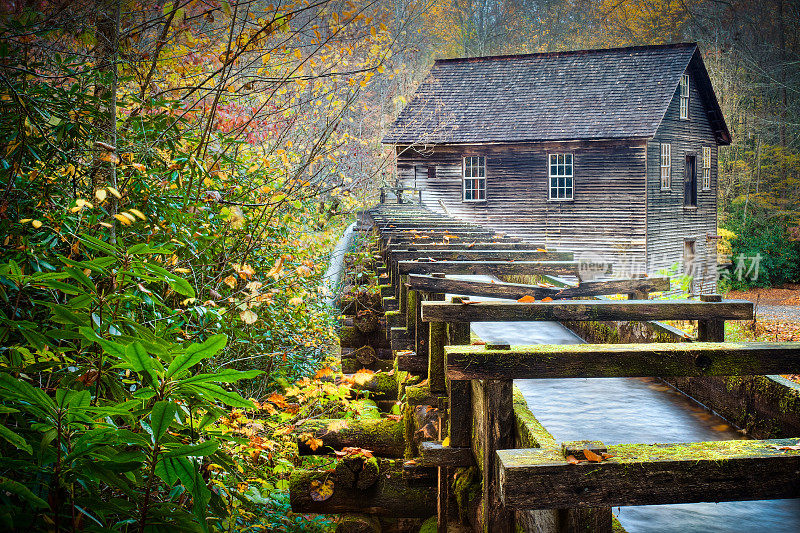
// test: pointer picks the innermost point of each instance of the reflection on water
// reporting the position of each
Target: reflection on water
(621, 410)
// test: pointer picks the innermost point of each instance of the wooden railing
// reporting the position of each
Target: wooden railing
(472, 385)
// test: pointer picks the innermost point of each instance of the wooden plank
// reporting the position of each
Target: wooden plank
(582, 310)
(479, 245)
(515, 291)
(652, 474)
(623, 360)
(478, 254)
(434, 454)
(496, 268)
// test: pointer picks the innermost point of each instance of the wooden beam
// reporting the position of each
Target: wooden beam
(393, 494)
(652, 474)
(478, 245)
(582, 310)
(496, 268)
(515, 291)
(477, 254)
(434, 454)
(623, 360)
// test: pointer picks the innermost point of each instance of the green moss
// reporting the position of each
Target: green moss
(430, 525)
(531, 432)
(466, 488)
(408, 431)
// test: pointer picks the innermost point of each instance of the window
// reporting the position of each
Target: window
(685, 97)
(666, 166)
(706, 168)
(690, 182)
(560, 174)
(475, 179)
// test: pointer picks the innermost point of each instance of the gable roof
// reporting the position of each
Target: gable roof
(585, 94)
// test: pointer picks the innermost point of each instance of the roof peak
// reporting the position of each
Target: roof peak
(586, 51)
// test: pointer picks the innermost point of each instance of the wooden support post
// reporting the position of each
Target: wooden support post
(402, 280)
(436, 371)
(711, 330)
(493, 419)
(412, 305)
(421, 330)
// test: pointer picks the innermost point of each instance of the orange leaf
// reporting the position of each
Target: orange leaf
(314, 443)
(591, 456)
(547, 299)
(572, 460)
(323, 372)
(478, 343)
(527, 299)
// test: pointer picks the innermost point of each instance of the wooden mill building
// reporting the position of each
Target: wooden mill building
(609, 153)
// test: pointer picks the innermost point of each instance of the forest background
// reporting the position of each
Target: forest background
(173, 177)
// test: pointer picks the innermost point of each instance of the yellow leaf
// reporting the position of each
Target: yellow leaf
(138, 166)
(182, 270)
(321, 491)
(36, 224)
(446, 442)
(230, 281)
(381, 68)
(129, 216)
(248, 316)
(138, 213)
(25, 220)
(114, 191)
(125, 221)
(100, 194)
(373, 31)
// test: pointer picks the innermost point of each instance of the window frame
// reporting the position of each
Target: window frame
(567, 177)
(666, 169)
(683, 93)
(478, 179)
(706, 186)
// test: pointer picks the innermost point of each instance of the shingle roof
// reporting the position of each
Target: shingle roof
(587, 94)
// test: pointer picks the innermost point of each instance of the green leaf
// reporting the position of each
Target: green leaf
(178, 284)
(139, 359)
(216, 392)
(161, 417)
(8, 485)
(194, 450)
(65, 315)
(196, 353)
(97, 244)
(15, 439)
(223, 376)
(111, 348)
(172, 469)
(24, 391)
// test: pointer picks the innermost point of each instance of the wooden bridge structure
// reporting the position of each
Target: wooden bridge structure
(492, 467)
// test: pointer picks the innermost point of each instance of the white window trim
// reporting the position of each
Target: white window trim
(665, 167)
(571, 176)
(706, 168)
(464, 179)
(684, 97)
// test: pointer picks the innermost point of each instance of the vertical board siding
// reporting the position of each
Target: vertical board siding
(669, 223)
(605, 220)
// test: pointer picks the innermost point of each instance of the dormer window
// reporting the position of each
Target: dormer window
(685, 97)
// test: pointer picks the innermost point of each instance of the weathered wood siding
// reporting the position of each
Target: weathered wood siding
(669, 223)
(605, 220)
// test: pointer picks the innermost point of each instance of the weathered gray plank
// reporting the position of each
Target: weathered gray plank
(516, 291)
(496, 268)
(478, 254)
(652, 474)
(623, 360)
(581, 310)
